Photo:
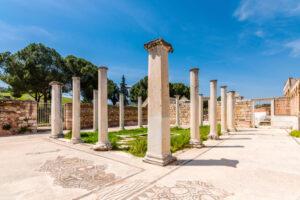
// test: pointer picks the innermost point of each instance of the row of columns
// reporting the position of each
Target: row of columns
(158, 149)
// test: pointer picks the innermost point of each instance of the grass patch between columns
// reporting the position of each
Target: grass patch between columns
(295, 133)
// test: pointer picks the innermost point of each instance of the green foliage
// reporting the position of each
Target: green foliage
(180, 141)
(112, 91)
(24, 129)
(295, 133)
(139, 89)
(30, 70)
(6, 127)
(124, 90)
(179, 89)
(3, 89)
(138, 147)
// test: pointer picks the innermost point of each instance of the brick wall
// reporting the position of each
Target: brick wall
(266, 109)
(86, 116)
(17, 114)
(243, 114)
(282, 106)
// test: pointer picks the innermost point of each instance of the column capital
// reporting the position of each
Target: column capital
(213, 81)
(194, 69)
(152, 44)
(56, 83)
(177, 96)
(102, 68)
(232, 91)
(201, 95)
(75, 78)
(224, 86)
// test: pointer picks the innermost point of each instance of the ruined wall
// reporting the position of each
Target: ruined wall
(184, 113)
(86, 116)
(264, 108)
(243, 114)
(18, 115)
(282, 106)
(295, 102)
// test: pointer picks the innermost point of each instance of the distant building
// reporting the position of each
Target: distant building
(291, 90)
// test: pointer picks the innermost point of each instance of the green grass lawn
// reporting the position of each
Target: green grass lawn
(28, 97)
(138, 146)
(295, 133)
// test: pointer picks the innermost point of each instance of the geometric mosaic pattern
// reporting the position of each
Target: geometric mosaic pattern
(77, 173)
(184, 190)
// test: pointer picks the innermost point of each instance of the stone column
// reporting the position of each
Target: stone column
(231, 111)
(56, 110)
(103, 144)
(213, 134)
(76, 110)
(140, 112)
(194, 109)
(252, 114)
(121, 111)
(272, 112)
(158, 151)
(224, 110)
(200, 109)
(177, 123)
(95, 110)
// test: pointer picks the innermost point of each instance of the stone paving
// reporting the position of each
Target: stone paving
(249, 164)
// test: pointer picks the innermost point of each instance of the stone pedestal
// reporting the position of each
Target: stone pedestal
(177, 123)
(95, 110)
(158, 151)
(103, 144)
(231, 111)
(76, 138)
(121, 111)
(200, 109)
(56, 110)
(213, 134)
(195, 141)
(224, 110)
(140, 112)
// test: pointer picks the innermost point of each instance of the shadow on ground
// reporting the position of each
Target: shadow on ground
(211, 162)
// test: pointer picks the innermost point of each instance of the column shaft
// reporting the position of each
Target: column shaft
(56, 110)
(95, 110)
(76, 110)
(213, 134)
(140, 112)
(194, 109)
(121, 111)
(103, 143)
(177, 122)
(231, 111)
(158, 151)
(224, 110)
(200, 109)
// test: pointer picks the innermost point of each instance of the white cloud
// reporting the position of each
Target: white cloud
(10, 32)
(259, 33)
(295, 47)
(259, 10)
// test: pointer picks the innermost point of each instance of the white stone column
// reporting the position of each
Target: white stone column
(213, 134)
(76, 138)
(95, 110)
(140, 112)
(103, 143)
(200, 109)
(231, 111)
(252, 114)
(158, 151)
(224, 110)
(272, 112)
(121, 111)
(177, 123)
(56, 110)
(194, 109)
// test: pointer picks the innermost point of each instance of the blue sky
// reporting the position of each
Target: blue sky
(252, 46)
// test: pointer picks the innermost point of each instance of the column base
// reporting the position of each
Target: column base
(76, 140)
(194, 143)
(122, 128)
(213, 136)
(232, 130)
(61, 135)
(101, 146)
(160, 160)
(224, 132)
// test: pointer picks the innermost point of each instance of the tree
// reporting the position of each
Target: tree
(31, 69)
(88, 73)
(139, 89)
(124, 91)
(179, 89)
(4, 89)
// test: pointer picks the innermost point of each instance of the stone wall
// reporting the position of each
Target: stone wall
(264, 108)
(282, 106)
(86, 116)
(18, 115)
(184, 112)
(243, 114)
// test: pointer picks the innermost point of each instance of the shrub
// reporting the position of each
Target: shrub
(24, 129)
(179, 142)
(6, 127)
(138, 147)
(295, 133)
